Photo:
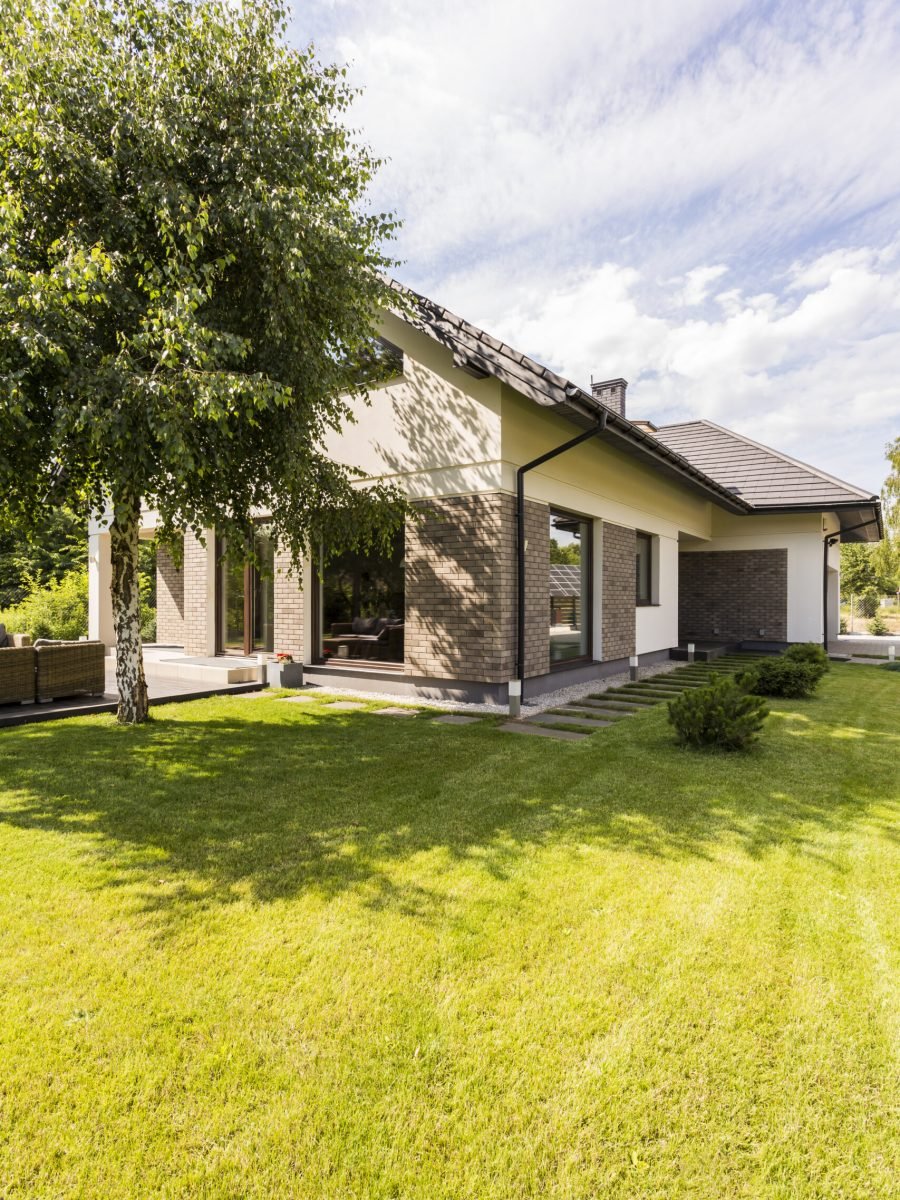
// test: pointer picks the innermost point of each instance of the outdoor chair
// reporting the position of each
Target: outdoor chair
(69, 669)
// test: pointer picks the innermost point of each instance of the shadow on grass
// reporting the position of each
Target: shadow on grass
(227, 798)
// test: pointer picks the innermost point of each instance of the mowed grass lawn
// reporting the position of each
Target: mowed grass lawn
(258, 949)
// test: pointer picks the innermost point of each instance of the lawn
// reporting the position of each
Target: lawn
(258, 949)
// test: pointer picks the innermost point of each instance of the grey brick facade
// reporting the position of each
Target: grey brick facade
(730, 595)
(618, 575)
(169, 600)
(461, 589)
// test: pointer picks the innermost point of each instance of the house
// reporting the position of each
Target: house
(556, 537)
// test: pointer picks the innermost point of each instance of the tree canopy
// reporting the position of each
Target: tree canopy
(189, 276)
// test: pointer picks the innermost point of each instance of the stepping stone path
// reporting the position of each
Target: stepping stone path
(344, 705)
(455, 719)
(579, 719)
(296, 699)
(395, 712)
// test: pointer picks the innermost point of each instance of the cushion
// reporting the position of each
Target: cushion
(364, 624)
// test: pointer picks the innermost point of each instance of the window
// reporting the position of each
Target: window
(643, 561)
(570, 591)
(245, 597)
(363, 599)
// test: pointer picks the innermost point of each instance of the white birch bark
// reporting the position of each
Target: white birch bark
(123, 545)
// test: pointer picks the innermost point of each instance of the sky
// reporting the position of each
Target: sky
(701, 196)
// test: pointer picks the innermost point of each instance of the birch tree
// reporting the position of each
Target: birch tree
(189, 274)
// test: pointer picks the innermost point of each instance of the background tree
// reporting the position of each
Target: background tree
(188, 281)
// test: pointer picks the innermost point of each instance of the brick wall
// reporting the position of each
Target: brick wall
(461, 589)
(195, 596)
(729, 595)
(288, 605)
(169, 600)
(618, 575)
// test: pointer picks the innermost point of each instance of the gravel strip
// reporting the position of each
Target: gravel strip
(535, 705)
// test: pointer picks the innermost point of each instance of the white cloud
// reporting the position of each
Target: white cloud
(815, 375)
(700, 196)
(698, 282)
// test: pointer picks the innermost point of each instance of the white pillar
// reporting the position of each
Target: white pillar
(100, 613)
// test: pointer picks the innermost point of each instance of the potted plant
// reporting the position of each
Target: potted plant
(284, 672)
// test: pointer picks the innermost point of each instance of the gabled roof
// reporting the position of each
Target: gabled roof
(768, 479)
(480, 355)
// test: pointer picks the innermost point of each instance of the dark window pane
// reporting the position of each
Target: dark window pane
(570, 565)
(643, 568)
(363, 598)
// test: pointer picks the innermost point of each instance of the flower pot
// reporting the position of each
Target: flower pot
(286, 674)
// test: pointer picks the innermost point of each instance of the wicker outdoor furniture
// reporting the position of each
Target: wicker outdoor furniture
(68, 669)
(17, 674)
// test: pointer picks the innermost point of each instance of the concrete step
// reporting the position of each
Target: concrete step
(575, 710)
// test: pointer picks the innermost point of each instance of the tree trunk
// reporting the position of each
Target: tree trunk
(126, 603)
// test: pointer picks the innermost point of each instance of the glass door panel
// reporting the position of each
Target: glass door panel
(231, 605)
(264, 593)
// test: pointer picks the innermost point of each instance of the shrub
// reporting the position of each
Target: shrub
(890, 666)
(59, 610)
(878, 626)
(781, 677)
(843, 628)
(722, 715)
(808, 652)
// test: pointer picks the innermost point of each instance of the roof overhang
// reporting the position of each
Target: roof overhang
(859, 522)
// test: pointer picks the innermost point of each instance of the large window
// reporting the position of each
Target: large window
(643, 565)
(570, 588)
(363, 607)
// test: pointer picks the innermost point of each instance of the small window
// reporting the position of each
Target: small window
(383, 363)
(643, 561)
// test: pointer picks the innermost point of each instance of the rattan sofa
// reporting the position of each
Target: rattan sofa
(17, 674)
(69, 669)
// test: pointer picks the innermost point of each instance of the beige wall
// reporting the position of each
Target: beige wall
(437, 429)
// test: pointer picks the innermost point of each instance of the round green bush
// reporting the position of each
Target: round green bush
(721, 715)
(808, 652)
(782, 676)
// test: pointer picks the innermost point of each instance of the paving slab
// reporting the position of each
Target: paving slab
(344, 705)
(297, 700)
(455, 719)
(598, 714)
(395, 712)
(561, 735)
(556, 719)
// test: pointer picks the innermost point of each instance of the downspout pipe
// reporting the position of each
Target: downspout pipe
(517, 684)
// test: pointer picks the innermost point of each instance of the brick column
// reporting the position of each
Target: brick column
(288, 605)
(199, 595)
(169, 600)
(618, 591)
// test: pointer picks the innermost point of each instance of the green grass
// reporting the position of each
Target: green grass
(256, 949)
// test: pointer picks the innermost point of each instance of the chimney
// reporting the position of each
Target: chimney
(611, 392)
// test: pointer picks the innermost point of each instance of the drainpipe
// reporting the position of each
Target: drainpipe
(516, 686)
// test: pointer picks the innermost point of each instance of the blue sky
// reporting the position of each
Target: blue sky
(702, 196)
